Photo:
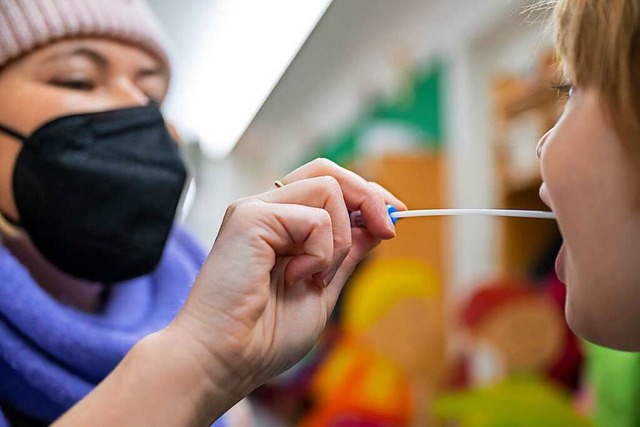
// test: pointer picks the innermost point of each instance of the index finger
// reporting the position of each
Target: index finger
(359, 194)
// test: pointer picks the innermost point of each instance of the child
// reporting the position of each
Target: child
(589, 162)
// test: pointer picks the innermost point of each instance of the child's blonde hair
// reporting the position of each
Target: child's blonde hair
(599, 43)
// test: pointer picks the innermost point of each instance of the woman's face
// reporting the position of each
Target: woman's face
(70, 77)
(591, 183)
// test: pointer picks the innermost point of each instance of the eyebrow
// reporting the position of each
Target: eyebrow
(90, 54)
(154, 71)
(102, 62)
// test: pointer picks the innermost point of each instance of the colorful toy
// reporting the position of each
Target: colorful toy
(384, 369)
(515, 335)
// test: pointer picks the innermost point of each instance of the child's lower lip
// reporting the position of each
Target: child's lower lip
(560, 261)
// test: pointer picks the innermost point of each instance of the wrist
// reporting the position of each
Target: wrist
(161, 381)
(211, 355)
(202, 383)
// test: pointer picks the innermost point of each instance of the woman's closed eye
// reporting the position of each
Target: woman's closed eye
(73, 83)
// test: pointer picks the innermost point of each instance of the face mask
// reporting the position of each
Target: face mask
(97, 193)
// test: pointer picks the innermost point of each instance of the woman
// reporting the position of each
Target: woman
(89, 183)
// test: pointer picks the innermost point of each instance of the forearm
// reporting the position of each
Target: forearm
(161, 381)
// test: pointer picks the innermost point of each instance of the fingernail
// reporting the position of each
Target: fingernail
(391, 225)
(390, 220)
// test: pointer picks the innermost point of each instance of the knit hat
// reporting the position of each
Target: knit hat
(26, 25)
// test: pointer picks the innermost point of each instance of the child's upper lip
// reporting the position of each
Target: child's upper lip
(544, 195)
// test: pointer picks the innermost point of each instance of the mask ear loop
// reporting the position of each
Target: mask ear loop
(13, 133)
(8, 227)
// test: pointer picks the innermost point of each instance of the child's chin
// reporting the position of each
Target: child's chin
(583, 327)
(576, 320)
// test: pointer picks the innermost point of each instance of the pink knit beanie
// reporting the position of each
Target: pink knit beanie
(28, 24)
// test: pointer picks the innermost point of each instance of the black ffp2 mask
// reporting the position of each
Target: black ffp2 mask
(97, 193)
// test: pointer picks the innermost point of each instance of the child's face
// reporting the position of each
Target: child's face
(591, 182)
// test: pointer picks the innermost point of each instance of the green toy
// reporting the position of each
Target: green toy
(519, 401)
(614, 377)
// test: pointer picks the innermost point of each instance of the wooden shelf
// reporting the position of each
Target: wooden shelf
(532, 96)
(524, 241)
(524, 181)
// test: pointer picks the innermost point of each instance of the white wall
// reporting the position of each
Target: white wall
(218, 181)
(510, 45)
(183, 21)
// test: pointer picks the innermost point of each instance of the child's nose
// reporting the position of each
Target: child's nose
(541, 143)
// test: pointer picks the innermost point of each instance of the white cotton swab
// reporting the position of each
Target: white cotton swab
(491, 212)
(358, 221)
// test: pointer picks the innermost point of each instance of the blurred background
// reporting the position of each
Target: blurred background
(458, 321)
